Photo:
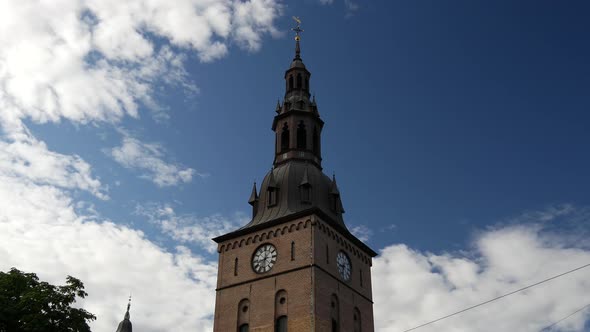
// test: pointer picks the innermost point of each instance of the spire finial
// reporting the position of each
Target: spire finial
(128, 307)
(297, 30)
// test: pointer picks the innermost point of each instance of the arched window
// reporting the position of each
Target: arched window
(281, 325)
(335, 313)
(285, 138)
(307, 83)
(290, 83)
(243, 315)
(299, 81)
(356, 316)
(316, 141)
(301, 136)
(281, 305)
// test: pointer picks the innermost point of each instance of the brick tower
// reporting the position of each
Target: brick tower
(294, 266)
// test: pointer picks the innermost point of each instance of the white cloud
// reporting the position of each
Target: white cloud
(93, 60)
(147, 157)
(41, 232)
(412, 287)
(362, 232)
(31, 162)
(189, 228)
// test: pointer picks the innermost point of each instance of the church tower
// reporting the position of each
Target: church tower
(295, 266)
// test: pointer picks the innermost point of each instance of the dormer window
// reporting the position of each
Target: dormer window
(272, 196)
(305, 193)
(335, 202)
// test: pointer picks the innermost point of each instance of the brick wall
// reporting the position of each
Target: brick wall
(308, 280)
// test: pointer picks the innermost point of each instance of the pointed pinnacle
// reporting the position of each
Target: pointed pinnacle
(253, 196)
(334, 190)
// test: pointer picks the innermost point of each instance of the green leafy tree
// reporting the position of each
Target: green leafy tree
(27, 304)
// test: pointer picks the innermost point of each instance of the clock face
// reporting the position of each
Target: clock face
(343, 265)
(264, 258)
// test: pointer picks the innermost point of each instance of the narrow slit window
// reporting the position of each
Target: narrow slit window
(327, 255)
(236, 267)
(293, 250)
(299, 81)
(361, 276)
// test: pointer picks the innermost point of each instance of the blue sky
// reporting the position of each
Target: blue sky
(456, 129)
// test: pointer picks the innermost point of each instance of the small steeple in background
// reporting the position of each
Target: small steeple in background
(125, 324)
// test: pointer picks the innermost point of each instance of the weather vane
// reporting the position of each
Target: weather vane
(297, 29)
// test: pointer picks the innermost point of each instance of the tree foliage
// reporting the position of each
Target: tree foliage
(27, 304)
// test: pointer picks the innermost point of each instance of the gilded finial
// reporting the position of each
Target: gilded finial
(297, 29)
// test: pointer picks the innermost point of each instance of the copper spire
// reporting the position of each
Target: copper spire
(297, 30)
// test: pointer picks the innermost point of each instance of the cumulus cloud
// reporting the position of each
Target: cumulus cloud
(147, 157)
(40, 231)
(94, 60)
(189, 228)
(97, 61)
(413, 287)
(29, 161)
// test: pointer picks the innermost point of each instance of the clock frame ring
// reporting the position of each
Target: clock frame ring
(264, 258)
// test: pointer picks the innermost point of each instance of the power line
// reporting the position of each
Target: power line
(564, 318)
(497, 298)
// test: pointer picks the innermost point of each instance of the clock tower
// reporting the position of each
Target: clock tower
(295, 266)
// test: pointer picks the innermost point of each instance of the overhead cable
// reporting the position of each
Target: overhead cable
(497, 298)
(547, 328)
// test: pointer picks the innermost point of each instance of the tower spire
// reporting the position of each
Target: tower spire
(125, 324)
(297, 30)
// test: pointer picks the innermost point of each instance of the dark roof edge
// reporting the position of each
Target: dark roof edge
(345, 232)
